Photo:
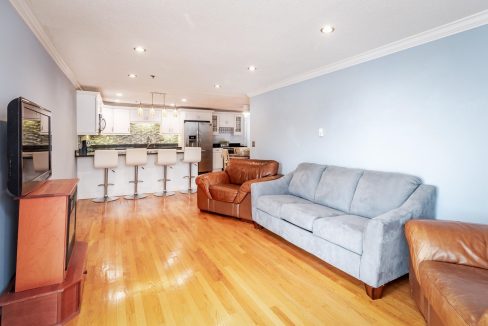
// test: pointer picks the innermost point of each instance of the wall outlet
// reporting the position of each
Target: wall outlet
(253, 143)
(321, 132)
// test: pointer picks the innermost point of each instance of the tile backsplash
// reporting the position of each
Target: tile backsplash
(139, 133)
(32, 135)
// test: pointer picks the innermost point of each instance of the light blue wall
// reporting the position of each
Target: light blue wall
(27, 70)
(422, 111)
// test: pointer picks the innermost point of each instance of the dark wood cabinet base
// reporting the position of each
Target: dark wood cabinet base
(374, 293)
(48, 305)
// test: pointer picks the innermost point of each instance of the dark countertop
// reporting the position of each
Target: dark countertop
(152, 149)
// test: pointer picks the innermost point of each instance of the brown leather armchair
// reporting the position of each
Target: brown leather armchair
(449, 271)
(228, 192)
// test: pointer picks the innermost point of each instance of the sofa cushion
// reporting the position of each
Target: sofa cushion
(343, 230)
(305, 180)
(457, 293)
(336, 187)
(224, 192)
(303, 215)
(380, 192)
(272, 204)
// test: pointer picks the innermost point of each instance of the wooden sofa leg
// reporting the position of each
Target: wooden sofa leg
(374, 293)
(257, 226)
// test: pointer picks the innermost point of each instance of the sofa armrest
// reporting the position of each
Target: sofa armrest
(206, 180)
(385, 251)
(274, 187)
(447, 241)
(246, 186)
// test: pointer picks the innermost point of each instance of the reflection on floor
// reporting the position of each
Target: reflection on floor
(161, 261)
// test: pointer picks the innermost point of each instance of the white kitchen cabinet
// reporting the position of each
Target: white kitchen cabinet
(107, 121)
(116, 121)
(227, 120)
(170, 123)
(121, 124)
(197, 115)
(215, 123)
(218, 160)
(88, 108)
(146, 115)
(238, 124)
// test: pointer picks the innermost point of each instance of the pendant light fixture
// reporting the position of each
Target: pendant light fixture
(164, 104)
(140, 110)
(175, 112)
(151, 111)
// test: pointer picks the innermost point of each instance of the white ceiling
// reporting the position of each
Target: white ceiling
(193, 44)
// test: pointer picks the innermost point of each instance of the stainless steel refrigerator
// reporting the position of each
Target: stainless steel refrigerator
(199, 134)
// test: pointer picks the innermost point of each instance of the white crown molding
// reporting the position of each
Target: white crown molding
(458, 26)
(22, 7)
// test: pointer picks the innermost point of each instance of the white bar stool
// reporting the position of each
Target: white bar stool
(166, 157)
(136, 157)
(191, 155)
(105, 159)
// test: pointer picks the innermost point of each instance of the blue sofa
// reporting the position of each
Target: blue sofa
(353, 219)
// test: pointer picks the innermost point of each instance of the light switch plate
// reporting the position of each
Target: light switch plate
(321, 132)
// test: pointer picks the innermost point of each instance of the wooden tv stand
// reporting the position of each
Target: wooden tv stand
(48, 305)
(48, 284)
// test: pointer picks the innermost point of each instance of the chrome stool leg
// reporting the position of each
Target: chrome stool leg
(105, 184)
(190, 190)
(136, 182)
(165, 192)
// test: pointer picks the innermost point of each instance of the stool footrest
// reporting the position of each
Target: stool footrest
(135, 196)
(164, 193)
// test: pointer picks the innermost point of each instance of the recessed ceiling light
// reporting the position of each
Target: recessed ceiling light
(327, 29)
(139, 49)
(184, 100)
(132, 75)
(251, 68)
(217, 86)
(119, 94)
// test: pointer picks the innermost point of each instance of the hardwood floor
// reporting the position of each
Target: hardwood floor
(160, 261)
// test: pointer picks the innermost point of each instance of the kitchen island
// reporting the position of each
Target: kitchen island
(90, 177)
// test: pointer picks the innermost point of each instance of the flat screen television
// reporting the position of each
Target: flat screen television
(28, 146)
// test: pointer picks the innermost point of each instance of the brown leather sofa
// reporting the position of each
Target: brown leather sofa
(229, 192)
(449, 271)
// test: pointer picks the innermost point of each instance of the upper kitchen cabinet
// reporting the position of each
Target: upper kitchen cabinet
(231, 120)
(170, 123)
(238, 122)
(215, 123)
(121, 123)
(115, 121)
(146, 116)
(197, 115)
(88, 109)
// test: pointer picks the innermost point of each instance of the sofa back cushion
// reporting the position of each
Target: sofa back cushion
(337, 186)
(240, 171)
(380, 192)
(305, 180)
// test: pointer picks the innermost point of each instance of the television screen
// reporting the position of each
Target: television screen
(29, 146)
